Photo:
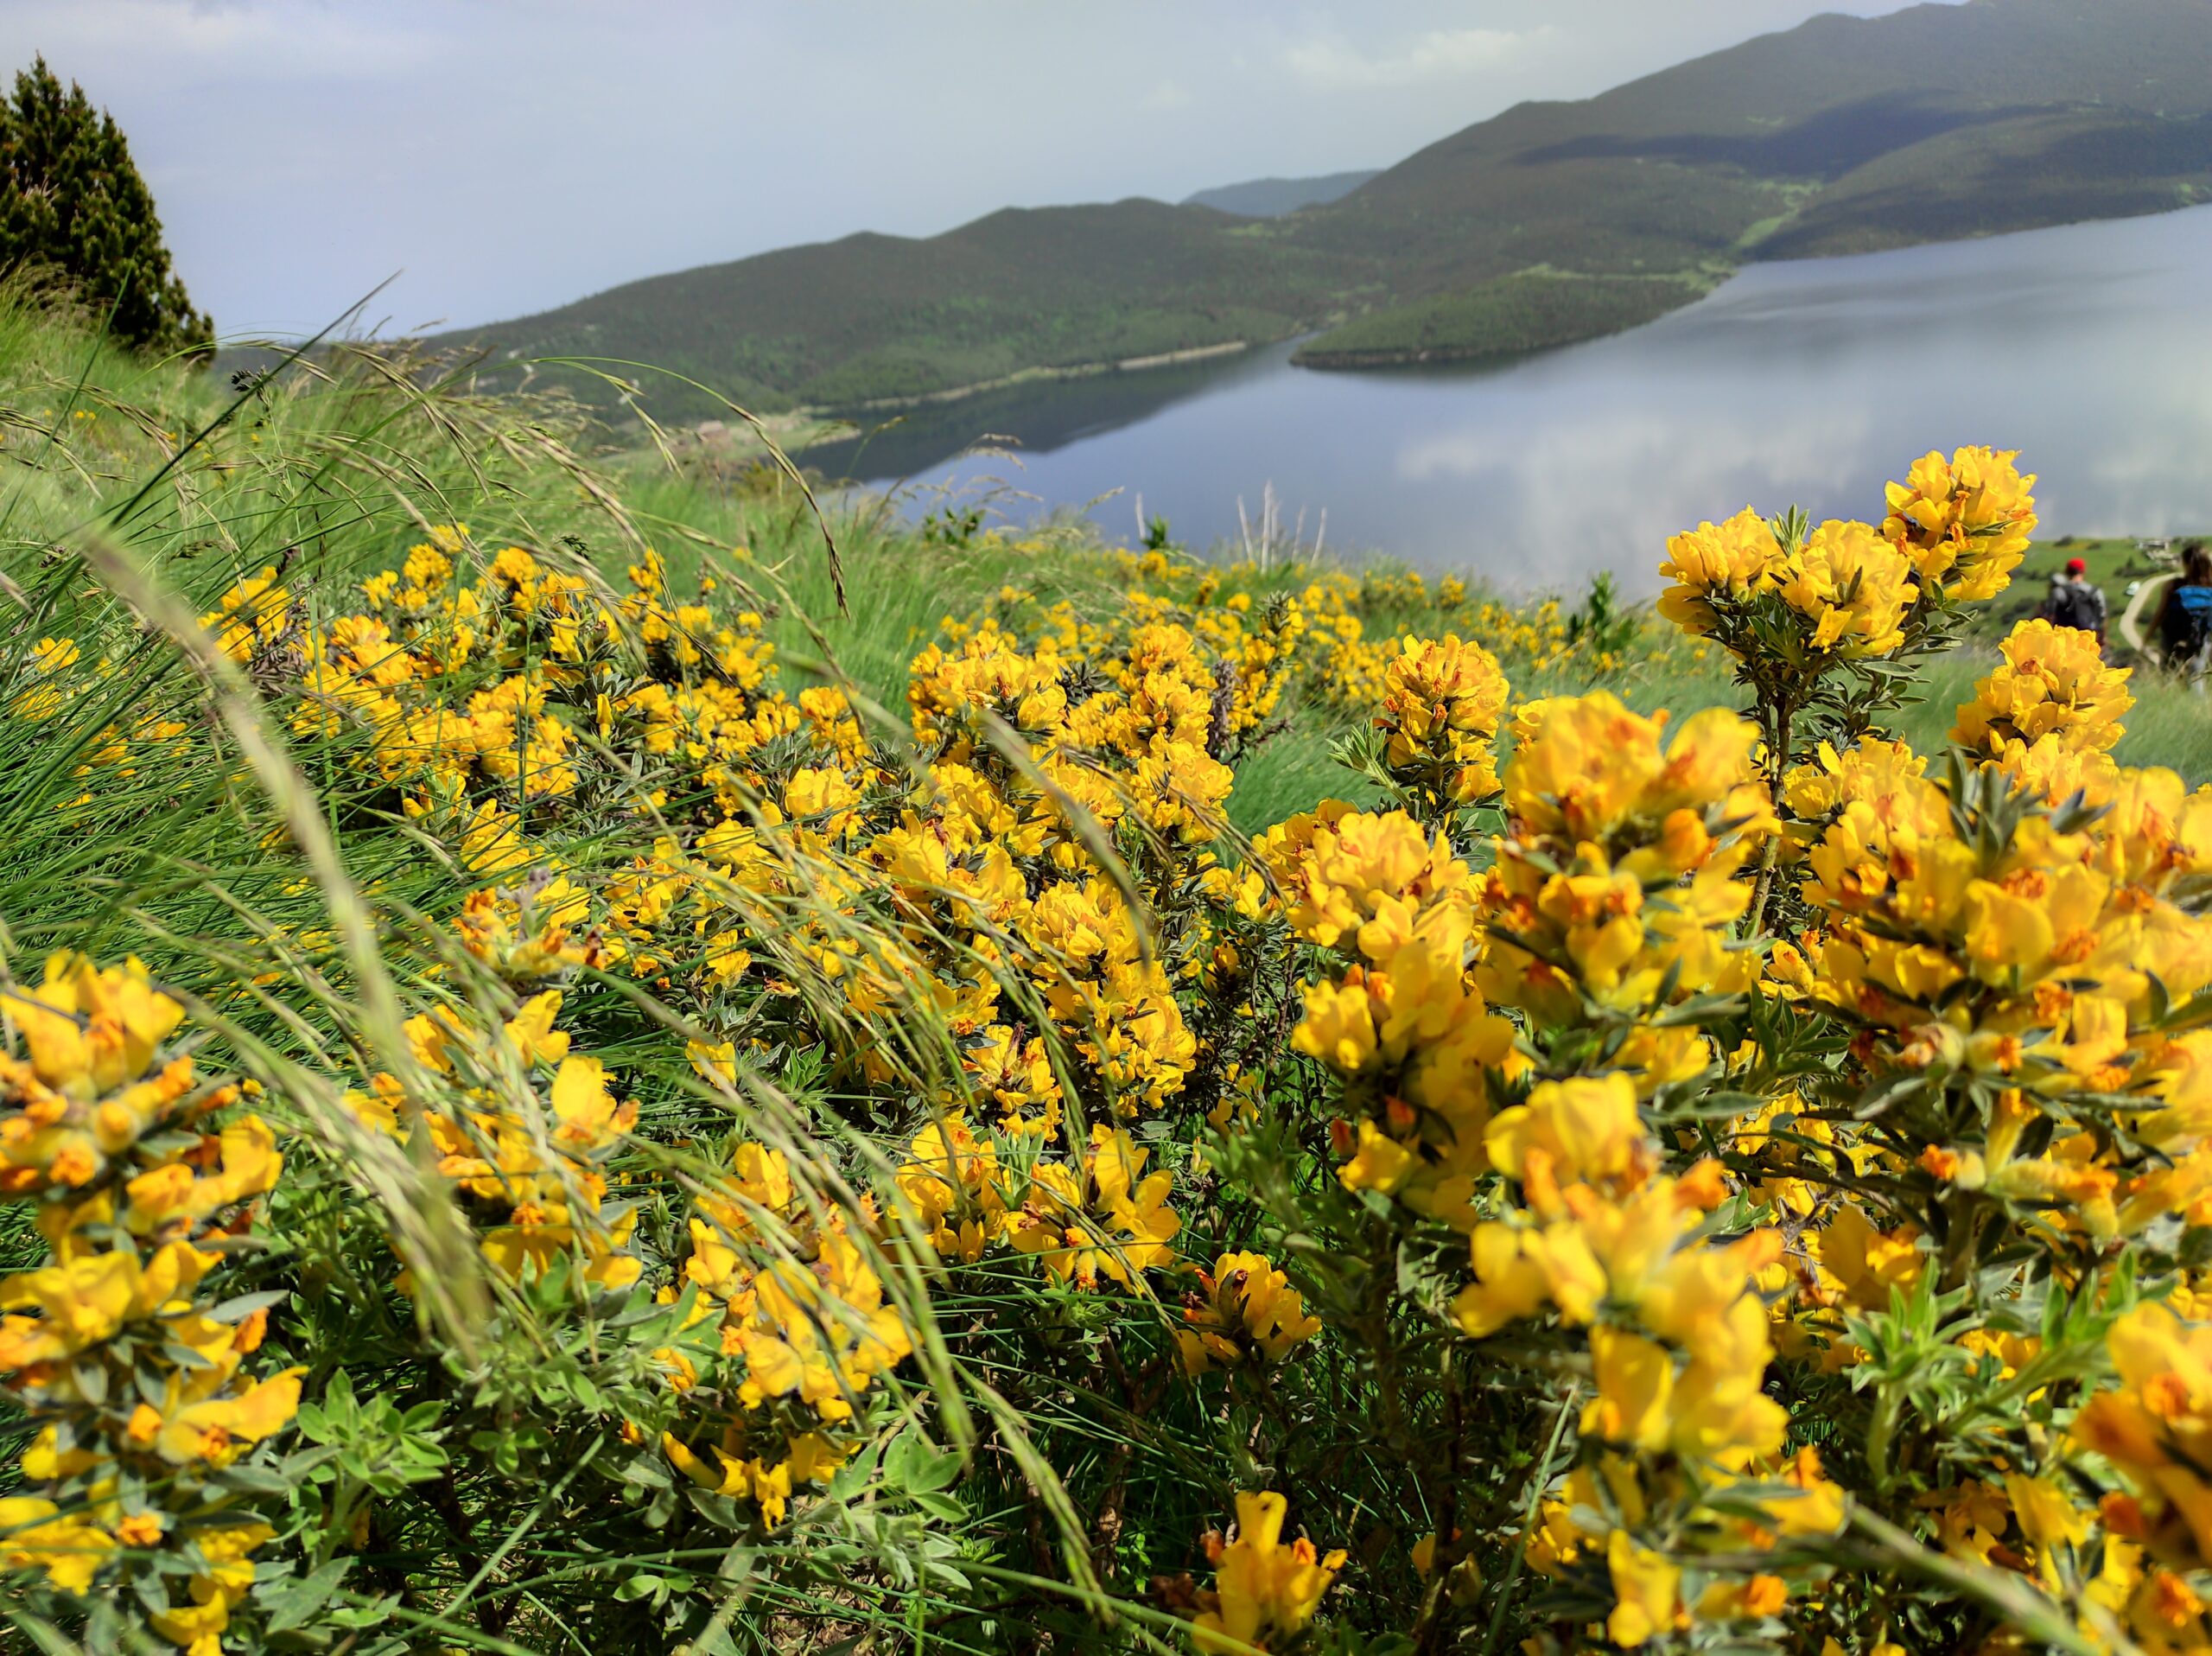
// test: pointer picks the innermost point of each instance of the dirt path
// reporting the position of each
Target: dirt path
(2128, 629)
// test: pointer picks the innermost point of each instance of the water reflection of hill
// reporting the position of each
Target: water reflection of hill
(1036, 417)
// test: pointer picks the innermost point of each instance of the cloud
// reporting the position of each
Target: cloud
(1167, 94)
(236, 39)
(1440, 53)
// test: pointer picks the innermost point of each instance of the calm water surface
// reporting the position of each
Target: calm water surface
(2088, 348)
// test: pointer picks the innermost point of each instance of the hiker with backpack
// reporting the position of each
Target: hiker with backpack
(2185, 614)
(2074, 603)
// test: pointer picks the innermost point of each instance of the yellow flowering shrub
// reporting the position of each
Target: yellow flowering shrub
(1442, 702)
(139, 1379)
(2053, 687)
(1244, 1310)
(740, 1155)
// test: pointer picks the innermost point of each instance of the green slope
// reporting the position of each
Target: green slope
(1844, 134)
(844, 322)
(1552, 222)
(2077, 163)
(1530, 310)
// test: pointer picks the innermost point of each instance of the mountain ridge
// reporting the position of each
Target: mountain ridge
(1272, 197)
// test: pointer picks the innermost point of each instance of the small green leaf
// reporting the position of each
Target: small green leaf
(295, 1600)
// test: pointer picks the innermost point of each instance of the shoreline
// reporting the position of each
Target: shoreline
(1448, 356)
(1026, 377)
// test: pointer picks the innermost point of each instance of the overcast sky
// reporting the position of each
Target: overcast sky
(508, 155)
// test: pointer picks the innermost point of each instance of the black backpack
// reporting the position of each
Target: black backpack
(2187, 623)
(2072, 606)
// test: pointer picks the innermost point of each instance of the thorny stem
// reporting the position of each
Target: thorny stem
(1755, 925)
(1378, 1329)
(1527, 1523)
(1880, 1434)
(1780, 733)
(1962, 1242)
(1444, 1555)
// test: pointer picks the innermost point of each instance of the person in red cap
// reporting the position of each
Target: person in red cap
(2074, 602)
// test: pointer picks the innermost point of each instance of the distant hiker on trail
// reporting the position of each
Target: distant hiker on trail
(2185, 614)
(2074, 603)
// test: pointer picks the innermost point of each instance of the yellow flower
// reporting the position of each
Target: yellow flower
(1441, 703)
(1248, 1304)
(2054, 683)
(1865, 1264)
(199, 1625)
(1734, 559)
(525, 933)
(1871, 771)
(531, 1032)
(69, 1550)
(2055, 768)
(951, 1179)
(1380, 1163)
(53, 655)
(2047, 1518)
(85, 1300)
(246, 1163)
(1965, 522)
(91, 1031)
(215, 1431)
(1357, 868)
(1635, 1379)
(822, 796)
(1853, 586)
(1263, 1588)
(1133, 1201)
(1759, 1595)
(1586, 766)
(1571, 1131)
(251, 616)
(1513, 1279)
(1646, 1588)
(492, 841)
(2157, 1428)
(713, 1060)
(1817, 1508)
(1338, 1026)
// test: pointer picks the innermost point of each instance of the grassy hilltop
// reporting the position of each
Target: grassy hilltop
(1552, 222)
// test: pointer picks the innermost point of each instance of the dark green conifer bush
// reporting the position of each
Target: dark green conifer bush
(72, 203)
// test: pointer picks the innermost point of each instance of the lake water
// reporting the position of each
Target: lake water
(2088, 348)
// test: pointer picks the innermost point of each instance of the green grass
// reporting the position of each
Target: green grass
(2113, 562)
